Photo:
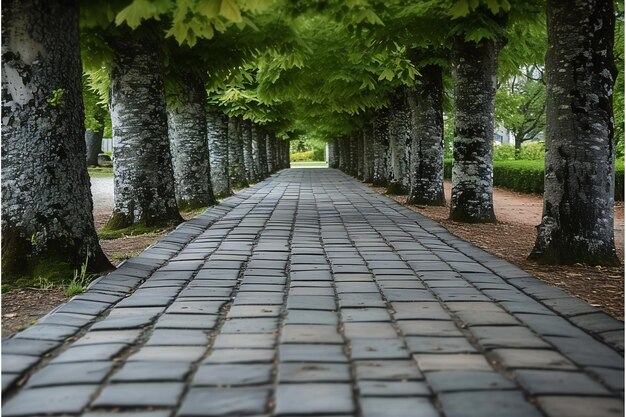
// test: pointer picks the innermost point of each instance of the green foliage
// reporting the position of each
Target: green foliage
(306, 156)
(79, 282)
(100, 172)
(534, 151)
(503, 152)
(56, 100)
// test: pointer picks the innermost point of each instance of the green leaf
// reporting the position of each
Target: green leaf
(230, 11)
(460, 9)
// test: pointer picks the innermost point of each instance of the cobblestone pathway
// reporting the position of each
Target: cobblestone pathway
(309, 294)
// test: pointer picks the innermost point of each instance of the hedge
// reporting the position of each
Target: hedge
(527, 176)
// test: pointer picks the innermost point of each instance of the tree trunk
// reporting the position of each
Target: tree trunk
(333, 154)
(217, 134)
(368, 156)
(342, 163)
(287, 147)
(142, 162)
(427, 158)
(236, 168)
(360, 154)
(381, 148)
(248, 160)
(93, 139)
(270, 146)
(577, 221)
(475, 71)
(47, 220)
(190, 149)
(259, 150)
(353, 152)
(399, 129)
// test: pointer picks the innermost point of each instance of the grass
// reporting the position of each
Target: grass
(100, 172)
(321, 164)
(130, 231)
(122, 256)
(79, 283)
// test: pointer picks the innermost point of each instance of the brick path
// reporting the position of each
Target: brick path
(309, 294)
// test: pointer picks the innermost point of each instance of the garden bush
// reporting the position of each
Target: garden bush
(302, 156)
(527, 176)
(532, 151)
(503, 152)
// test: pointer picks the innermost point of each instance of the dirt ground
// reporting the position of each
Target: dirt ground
(513, 237)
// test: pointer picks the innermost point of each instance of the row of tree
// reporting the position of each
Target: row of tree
(173, 73)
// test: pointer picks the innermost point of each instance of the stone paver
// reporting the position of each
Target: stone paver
(308, 294)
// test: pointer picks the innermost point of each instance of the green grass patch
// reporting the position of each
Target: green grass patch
(100, 172)
(107, 234)
(321, 164)
(526, 176)
(122, 256)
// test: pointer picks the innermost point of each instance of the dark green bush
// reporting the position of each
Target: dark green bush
(527, 176)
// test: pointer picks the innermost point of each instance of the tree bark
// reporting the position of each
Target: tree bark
(577, 221)
(142, 161)
(342, 152)
(399, 130)
(368, 156)
(427, 158)
(475, 71)
(259, 151)
(236, 168)
(380, 148)
(190, 149)
(360, 154)
(217, 135)
(93, 139)
(333, 154)
(248, 160)
(270, 146)
(47, 220)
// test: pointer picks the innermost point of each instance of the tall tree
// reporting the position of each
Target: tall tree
(236, 168)
(475, 69)
(399, 135)
(381, 145)
(142, 162)
(427, 159)
(47, 220)
(248, 159)
(217, 131)
(258, 143)
(577, 220)
(188, 140)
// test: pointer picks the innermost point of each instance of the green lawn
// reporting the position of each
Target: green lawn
(100, 172)
(320, 164)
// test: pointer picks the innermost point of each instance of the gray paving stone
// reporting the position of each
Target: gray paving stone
(394, 370)
(241, 356)
(393, 389)
(429, 328)
(128, 318)
(313, 372)
(312, 317)
(312, 353)
(452, 362)
(300, 333)
(107, 336)
(49, 400)
(378, 349)
(429, 344)
(304, 399)
(70, 374)
(311, 302)
(174, 337)
(248, 340)
(52, 332)
(574, 406)
(144, 394)
(508, 336)
(419, 310)
(13, 363)
(233, 375)
(205, 401)
(451, 381)
(152, 371)
(195, 307)
(250, 325)
(369, 300)
(533, 359)
(613, 378)
(538, 382)
(356, 315)
(397, 407)
(186, 321)
(487, 404)
(88, 353)
(28, 346)
(168, 353)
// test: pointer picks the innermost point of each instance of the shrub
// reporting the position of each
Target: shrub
(503, 152)
(527, 176)
(302, 156)
(532, 151)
